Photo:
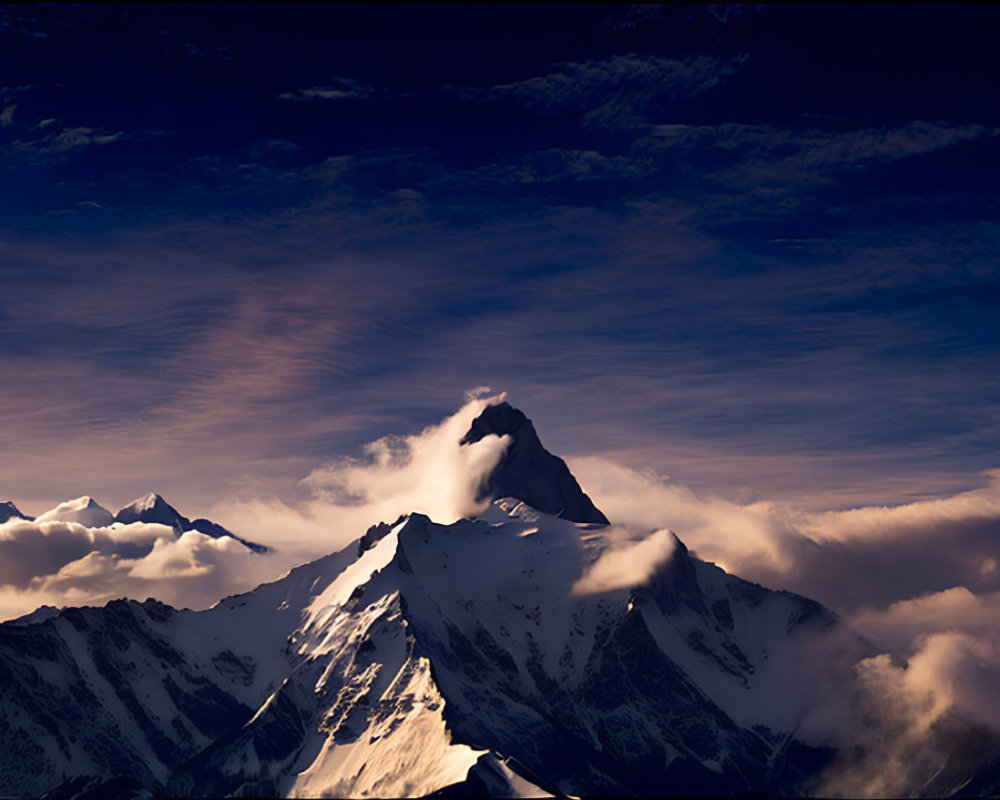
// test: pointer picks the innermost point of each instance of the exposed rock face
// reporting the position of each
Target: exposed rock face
(528, 471)
(9, 511)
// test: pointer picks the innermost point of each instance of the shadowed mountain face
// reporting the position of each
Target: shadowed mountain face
(9, 511)
(153, 508)
(528, 471)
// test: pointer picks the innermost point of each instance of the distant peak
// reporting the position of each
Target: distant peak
(83, 510)
(9, 511)
(153, 508)
(527, 471)
(148, 501)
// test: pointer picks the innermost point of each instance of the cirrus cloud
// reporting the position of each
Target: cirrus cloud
(617, 93)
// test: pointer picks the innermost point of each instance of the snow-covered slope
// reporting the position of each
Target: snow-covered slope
(83, 510)
(428, 656)
(136, 689)
(617, 692)
(40, 614)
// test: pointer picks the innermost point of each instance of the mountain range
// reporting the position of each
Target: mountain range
(516, 653)
(150, 508)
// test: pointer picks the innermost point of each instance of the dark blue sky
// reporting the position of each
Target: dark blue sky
(753, 248)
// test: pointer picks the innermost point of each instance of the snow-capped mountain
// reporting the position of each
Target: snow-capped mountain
(485, 657)
(150, 508)
(153, 508)
(438, 652)
(83, 511)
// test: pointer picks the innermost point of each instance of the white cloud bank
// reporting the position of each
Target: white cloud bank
(849, 560)
(53, 562)
(65, 563)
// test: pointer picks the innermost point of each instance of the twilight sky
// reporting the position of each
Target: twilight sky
(749, 248)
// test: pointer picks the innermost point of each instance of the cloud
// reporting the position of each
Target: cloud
(559, 165)
(741, 170)
(64, 563)
(337, 89)
(772, 155)
(52, 139)
(619, 93)
(627, 564)
(950, 671)
(187, 353)
(900, 625)
(917, 580)
(428, 472)
(866, 557)
(769, 154)
(931, 721)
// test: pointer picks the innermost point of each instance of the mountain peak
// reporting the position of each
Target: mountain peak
(501, 418)
(82, 510)
(529, 472)
(153, 508)
(9, 511)
(148, 501)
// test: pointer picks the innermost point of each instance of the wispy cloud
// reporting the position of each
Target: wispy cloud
(627, 564)
(337, 89)
(52, 139)
(619, 93)
(428, 472)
